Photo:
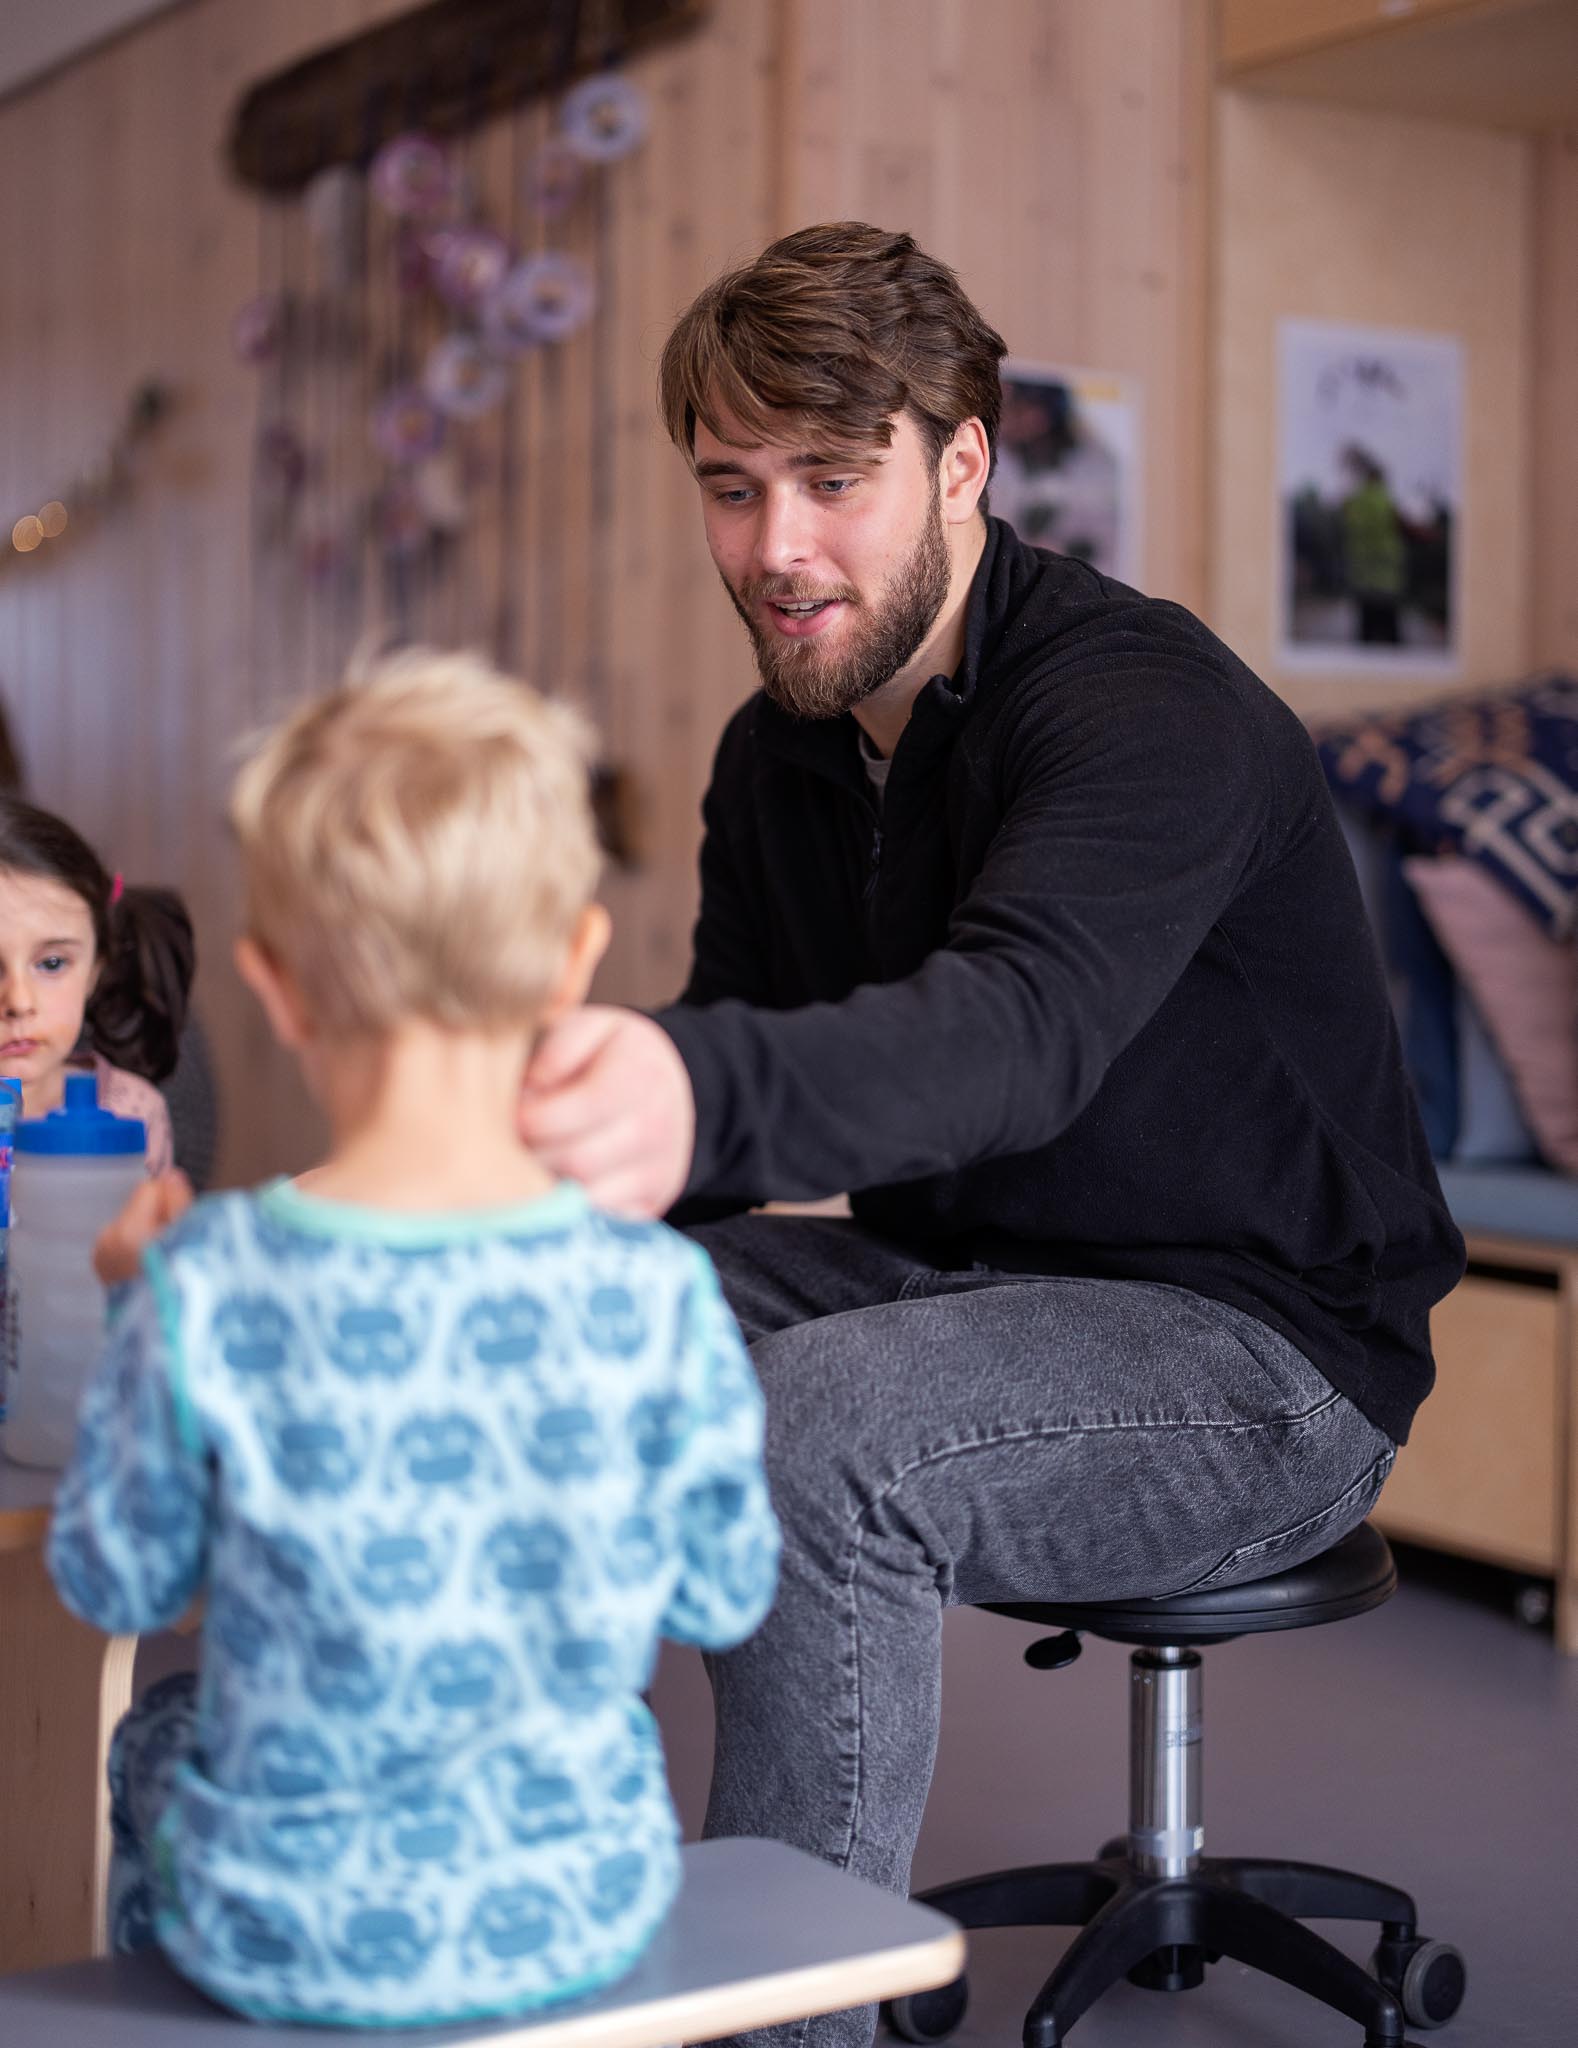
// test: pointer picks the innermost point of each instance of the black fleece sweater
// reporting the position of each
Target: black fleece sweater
(1093, 994)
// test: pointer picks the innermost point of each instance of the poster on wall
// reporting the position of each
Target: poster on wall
(1068, 464)
(1369, 489)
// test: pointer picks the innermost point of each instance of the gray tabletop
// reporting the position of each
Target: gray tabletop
(760, 1933)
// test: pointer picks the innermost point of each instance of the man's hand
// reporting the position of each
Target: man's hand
(608, 1103)
(153, 1207)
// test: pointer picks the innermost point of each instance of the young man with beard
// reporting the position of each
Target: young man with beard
(1026, 920)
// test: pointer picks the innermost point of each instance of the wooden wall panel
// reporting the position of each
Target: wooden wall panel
(1056, 155)
(1554, 400)
(1331, 215)
(1055, 150)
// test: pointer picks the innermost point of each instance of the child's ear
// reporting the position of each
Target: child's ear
(588, 944)
(279, 995)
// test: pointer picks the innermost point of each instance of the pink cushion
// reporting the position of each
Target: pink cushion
(1524, 985)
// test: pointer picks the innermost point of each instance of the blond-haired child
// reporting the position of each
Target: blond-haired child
(446, 1449)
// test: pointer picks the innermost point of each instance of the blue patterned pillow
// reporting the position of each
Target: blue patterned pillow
(1492, 775)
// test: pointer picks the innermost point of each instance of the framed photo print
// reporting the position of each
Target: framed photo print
(1068, 464)
(1369, 486)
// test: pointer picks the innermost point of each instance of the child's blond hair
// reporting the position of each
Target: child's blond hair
(419, 843)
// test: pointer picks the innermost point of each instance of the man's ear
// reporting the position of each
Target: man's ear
(281, 999)
(966, 465)
(588, 944)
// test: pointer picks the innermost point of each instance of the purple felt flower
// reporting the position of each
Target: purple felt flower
(546, 298)
(412, 176)
(468, 265)
(407, 425)
(462, 379)
(604, 118)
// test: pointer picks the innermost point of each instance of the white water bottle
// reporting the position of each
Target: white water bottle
(74, 1171)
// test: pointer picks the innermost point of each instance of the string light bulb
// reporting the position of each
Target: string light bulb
(52, 518)
(27, 533)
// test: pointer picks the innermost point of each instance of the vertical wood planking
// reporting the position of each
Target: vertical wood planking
(1554, 402)
(1056, 154)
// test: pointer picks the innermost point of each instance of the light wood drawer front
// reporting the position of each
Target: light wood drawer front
(1478, 1473)
(1259, 31)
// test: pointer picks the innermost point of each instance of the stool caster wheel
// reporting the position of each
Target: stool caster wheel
(1427, 1978)
(926, 2016)
(1118, 1845)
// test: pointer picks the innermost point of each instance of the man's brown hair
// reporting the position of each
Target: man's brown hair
(834, 329)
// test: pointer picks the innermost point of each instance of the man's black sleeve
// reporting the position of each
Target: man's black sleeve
(728, 950)
(1132, 804)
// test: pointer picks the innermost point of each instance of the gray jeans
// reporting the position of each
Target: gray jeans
(940, 1437)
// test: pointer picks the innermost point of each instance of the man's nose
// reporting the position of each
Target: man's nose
(783, 537)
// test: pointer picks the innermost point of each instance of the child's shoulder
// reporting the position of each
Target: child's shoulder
(653, 1239)
(217, 1227)
(576, 1246)
(653, 1248)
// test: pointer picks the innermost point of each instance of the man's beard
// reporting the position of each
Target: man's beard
(811, 683)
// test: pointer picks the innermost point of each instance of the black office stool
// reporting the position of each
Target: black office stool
(1152, 1907)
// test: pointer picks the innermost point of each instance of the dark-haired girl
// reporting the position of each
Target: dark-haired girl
(91, 974)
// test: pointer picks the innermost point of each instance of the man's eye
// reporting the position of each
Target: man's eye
(735, 496)
(837, 486)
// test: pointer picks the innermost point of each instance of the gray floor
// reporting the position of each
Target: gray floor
(1433, 1743)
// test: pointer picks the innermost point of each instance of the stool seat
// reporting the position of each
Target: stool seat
(1354, 1575)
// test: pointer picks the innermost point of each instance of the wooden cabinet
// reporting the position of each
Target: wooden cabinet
(1505, 63)
(1263, 31)
(1489, 1470)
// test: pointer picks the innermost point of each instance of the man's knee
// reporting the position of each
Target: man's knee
(833, 1452)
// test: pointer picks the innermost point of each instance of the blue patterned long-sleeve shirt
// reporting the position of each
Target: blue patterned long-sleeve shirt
(445, 1482)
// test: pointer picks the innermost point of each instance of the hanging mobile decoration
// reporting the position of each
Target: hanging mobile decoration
(401, 320)
(465, 265)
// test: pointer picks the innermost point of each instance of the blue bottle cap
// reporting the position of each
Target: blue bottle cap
(80, 1128)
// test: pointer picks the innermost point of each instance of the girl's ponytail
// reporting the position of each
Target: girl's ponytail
(135, 1014)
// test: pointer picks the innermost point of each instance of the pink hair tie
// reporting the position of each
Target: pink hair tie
(117, 889)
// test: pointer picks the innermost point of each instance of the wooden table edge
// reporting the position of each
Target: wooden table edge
(24, 1528)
